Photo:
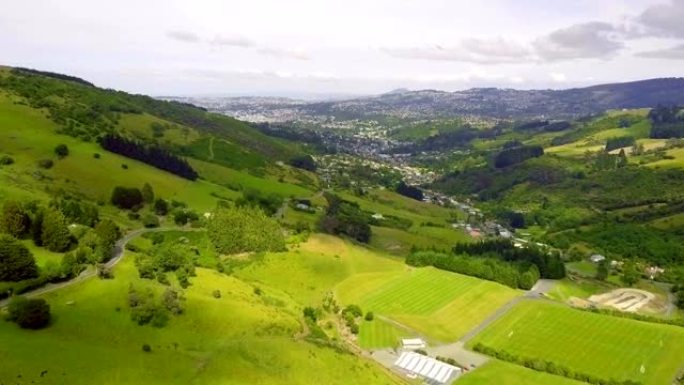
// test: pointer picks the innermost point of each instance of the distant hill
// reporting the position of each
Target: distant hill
(508, 103)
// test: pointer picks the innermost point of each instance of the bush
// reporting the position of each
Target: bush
(150, 221)
(14, 221)
(369, 316)
(146, 348)
(96, 155)
(29, 313)
(216, 293)
(6, 160)
(354, 310)
(161, 207)
(62, 150)
(126, 197)
(46, 163)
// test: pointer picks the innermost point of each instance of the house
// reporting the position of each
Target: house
(429, 369)
(652, 271)
(413, 343)
(596, 258)
(378, 216)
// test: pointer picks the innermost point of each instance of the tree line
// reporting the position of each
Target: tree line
(519, 275)
(666, 122)
(550, 264)
(152, 155)
(511, 156)
(344, 217)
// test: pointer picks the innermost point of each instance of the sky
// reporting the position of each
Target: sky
(345, 47)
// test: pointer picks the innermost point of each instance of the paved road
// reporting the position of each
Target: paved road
(117, 255)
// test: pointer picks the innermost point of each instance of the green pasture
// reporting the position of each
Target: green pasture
(504, 373)
(600, 345)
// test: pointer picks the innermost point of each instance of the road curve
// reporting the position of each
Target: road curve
(117, 255)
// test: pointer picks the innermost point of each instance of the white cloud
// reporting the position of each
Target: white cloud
(666, 19)
(233, 41)
(671, 53)
(481, 51)
(183, 36)
(558, 77)
(580, 41)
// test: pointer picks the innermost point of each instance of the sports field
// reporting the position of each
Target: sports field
(503, 373)
(437, 304)
(603, 346)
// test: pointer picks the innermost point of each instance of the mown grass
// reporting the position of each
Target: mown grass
(440, 305)
(504, 373)
(310, 271)
(381, 334)
(603, 346)
(242, 337)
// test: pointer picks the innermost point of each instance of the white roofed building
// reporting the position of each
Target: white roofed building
(413, 343)
(429, 369)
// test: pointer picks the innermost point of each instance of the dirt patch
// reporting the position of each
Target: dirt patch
(629, 300)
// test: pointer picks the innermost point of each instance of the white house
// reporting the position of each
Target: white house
(413, 343)
(596, 258)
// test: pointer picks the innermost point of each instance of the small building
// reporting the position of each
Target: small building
(378, 216)
(429, 369)
(413, 343)
(596, 258)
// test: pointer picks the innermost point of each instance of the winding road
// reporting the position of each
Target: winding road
(117, 255)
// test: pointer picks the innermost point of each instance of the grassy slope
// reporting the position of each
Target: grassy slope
(440, 305)
(503, 373)
(239, 338)
(604, 346)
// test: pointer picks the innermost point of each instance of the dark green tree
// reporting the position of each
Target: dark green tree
(15, 220)
(16, 261)
(147, 193)
(62, 150)
(161, 207)
(55, 234)
(630, 273)
(602, 270)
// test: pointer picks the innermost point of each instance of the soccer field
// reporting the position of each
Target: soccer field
(503, 373)
(439, 305)
(603, 346)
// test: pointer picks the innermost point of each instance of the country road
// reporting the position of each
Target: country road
(117, 255)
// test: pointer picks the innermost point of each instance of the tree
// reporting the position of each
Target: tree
(622, 159)
(16, 261)
(126, 198)
(62, 150)
(15, 221)
(305, 162)
(147, 193)
(55, 235)
(242, 229)
(630, 273)
(37, 227)
(602, 270)
(161, 207)
(409, 191)
(150, 221)
(29, 313)
(107, 233)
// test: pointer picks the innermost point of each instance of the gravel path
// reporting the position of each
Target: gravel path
(117, 255)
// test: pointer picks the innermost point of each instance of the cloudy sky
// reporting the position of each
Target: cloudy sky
(300, 47)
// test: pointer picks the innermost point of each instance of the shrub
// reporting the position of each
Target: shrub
(126, 197)
(310, 313)
(150, 221)
(161, 207)
(354, 310)
(96, 155)
(46, 163)
(15, 220)
(55, 234)
(6, 160)
(146, 348)
(29, 313)
(369, 316)
(62, 150)
(216, 293)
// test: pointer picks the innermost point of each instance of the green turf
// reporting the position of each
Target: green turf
(503, 373)
(600, 345)
(380, 334)
(566, 288)
(440, 305)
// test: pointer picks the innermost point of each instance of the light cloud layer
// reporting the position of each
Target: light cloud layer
(350, 46)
